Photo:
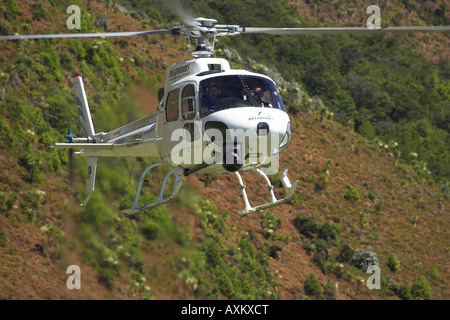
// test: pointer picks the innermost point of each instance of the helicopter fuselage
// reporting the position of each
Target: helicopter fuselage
(211, 119)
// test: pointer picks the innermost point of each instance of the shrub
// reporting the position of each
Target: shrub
(435, 277)
(103, 21)
(313, 287)
(6, 133)
(52, 233)
(421, 289)
(12, 9)
(330, 291)
(372, 196)
(367, 130)
(393, 263)
(31, 163)
(318, 245)
(351, 194)
(139, 60)
(3, 239)
(363, 259)
(306, 225)
(328, 232)
(212, 251)
(346, 253)
(320, 259)
(405, 293)
(150, 229)
(321, 183)
(96, 212)
(106, 278)
(38, 11)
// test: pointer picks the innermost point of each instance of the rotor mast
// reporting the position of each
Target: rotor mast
(203, 29)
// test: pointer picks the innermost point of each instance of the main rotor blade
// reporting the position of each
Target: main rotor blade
(88, 35)
(311, 31)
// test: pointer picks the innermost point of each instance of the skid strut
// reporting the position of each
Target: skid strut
(289, 188)
(161, 200)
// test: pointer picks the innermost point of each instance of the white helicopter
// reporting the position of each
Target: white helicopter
(211, 118)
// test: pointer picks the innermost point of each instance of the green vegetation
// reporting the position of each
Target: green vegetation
(393, 263)
(313, 287)
(240, 272)
(389, 93)
(3, 239)
(329, 291)
(351, 194)
(405, 293)
(421, 289)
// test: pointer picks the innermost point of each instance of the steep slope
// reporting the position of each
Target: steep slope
(397, 212)
(198, 246)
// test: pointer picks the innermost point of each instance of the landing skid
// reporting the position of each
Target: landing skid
(289, 188)
(161, 200)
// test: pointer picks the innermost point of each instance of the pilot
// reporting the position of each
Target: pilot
(211, 100)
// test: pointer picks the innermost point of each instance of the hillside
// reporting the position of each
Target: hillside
(353, 194)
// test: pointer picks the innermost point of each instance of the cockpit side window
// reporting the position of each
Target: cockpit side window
(172, 106)
(188, 102)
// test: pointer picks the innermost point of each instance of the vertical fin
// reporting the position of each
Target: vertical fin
(90, 177)
(87, 127)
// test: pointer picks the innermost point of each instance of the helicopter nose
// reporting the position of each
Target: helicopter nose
(262, 129)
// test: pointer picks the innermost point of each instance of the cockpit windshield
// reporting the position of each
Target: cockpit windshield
(225, 92)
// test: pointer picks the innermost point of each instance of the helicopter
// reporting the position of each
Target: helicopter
(211, 119)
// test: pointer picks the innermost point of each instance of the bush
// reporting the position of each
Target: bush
(393, 263)
(103, 21)
(367, 130)
(6, 133)
(346, 253)
(3, 239)
(32, 164)
(313, 287)
(319, 259)
(421, 289)
(328, 232)
(212, 251)
(363, 259)
(96, 212)
(150, 229)
(405, 293)
(330, 291)
(106, 278)
(306, 225)
(38, 11)
(12, 9)
(351, 194)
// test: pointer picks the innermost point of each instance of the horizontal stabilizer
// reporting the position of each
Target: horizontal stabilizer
(83, 145)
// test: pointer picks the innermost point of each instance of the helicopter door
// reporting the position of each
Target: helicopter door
(171, 122)
(181, 112)
(192, 129)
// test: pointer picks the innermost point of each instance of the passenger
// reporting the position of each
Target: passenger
(258, 94)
